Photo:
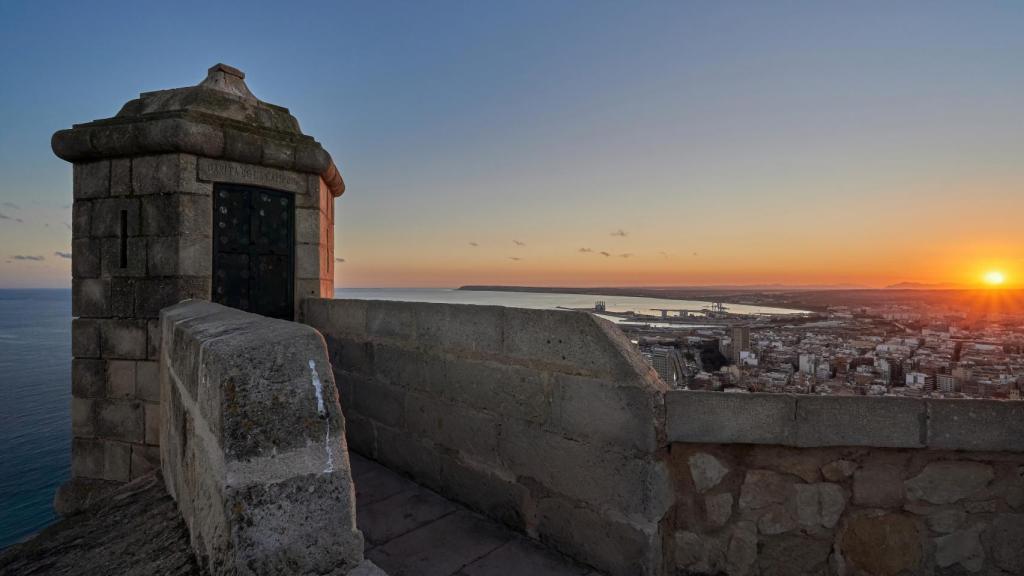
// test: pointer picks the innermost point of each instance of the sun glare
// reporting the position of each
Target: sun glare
(994, 278)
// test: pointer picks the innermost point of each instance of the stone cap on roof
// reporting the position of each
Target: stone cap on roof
(218, 118)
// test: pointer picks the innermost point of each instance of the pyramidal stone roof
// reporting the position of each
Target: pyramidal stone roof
(217, 118)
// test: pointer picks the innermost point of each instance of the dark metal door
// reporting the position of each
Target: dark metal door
(254, 250)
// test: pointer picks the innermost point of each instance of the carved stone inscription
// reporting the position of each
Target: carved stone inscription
(262, 176)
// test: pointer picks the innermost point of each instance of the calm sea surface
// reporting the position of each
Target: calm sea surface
(35, 398)
(35, 384)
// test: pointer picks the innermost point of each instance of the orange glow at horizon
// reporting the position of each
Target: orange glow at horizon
(567, 267)
(995, 278)
(754, 245)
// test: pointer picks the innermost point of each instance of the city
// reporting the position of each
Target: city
(898, 350)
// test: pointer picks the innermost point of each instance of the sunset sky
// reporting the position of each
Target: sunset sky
(693, 142)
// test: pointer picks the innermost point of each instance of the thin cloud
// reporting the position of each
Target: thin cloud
(10, 205)
(342, 260)
(515, 258)
(694, 253)
(620, 232)
(625, 255)
(474, 244)
(603, 253)
(67, 225)
(518, 243)
(6, 217)
(63, 254)
(663, 254)
(585, 250)
(24, 257)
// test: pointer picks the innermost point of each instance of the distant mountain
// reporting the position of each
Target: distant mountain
(925, 286)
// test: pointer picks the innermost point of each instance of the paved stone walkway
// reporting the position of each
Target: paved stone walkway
(412, 531)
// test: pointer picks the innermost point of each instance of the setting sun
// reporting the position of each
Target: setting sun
(994, 278)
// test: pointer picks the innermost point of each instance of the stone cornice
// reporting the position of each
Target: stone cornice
(809, 421)
(198, 133)
(218, 118)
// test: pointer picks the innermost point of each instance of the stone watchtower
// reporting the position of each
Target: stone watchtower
(199, 192)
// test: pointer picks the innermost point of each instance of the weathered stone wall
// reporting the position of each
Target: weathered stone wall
(252, 443)
(779, 484)
(115, 336)
(142, 233)
(167, 207)
(546, 420)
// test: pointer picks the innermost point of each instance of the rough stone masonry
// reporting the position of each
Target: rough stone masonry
(252, 443)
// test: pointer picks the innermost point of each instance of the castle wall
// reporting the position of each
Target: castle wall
(755, 509)
(782, 484)
(142, 240)
(155, 211)
(545, 420)
(252, 443)
(143, 230)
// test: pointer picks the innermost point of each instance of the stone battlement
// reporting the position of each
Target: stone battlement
(252, 443)
(545, 420)
(550, 422)
(819, 421)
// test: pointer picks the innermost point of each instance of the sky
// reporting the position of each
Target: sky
(574, 143)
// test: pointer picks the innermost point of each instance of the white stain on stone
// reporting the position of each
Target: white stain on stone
(327, 446)
(319, 388)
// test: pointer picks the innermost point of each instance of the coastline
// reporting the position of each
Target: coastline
(807, 299)
(728, 296)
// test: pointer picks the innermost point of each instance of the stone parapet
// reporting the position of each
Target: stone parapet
(775, 483)
(546, 420)
(252, 443)
(822, 421)
(743, 509)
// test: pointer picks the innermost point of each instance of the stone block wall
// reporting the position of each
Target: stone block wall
(252, 443)
(142, 240)
(779, 484)
(546, 420)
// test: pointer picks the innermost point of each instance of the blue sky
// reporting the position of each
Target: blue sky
(798, 142)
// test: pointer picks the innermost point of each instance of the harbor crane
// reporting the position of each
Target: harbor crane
(715, 308)
(682, 312)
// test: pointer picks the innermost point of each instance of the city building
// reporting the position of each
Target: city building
(740, 337)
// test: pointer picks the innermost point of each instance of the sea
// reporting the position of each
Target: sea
(35, 383)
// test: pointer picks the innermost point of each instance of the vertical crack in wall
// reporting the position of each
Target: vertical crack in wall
(322, 412)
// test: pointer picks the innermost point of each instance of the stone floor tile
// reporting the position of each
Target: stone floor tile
(375, 483)
(367, 568)
(442, 547)
(360, 464)
(406, 511)
(525, 557)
